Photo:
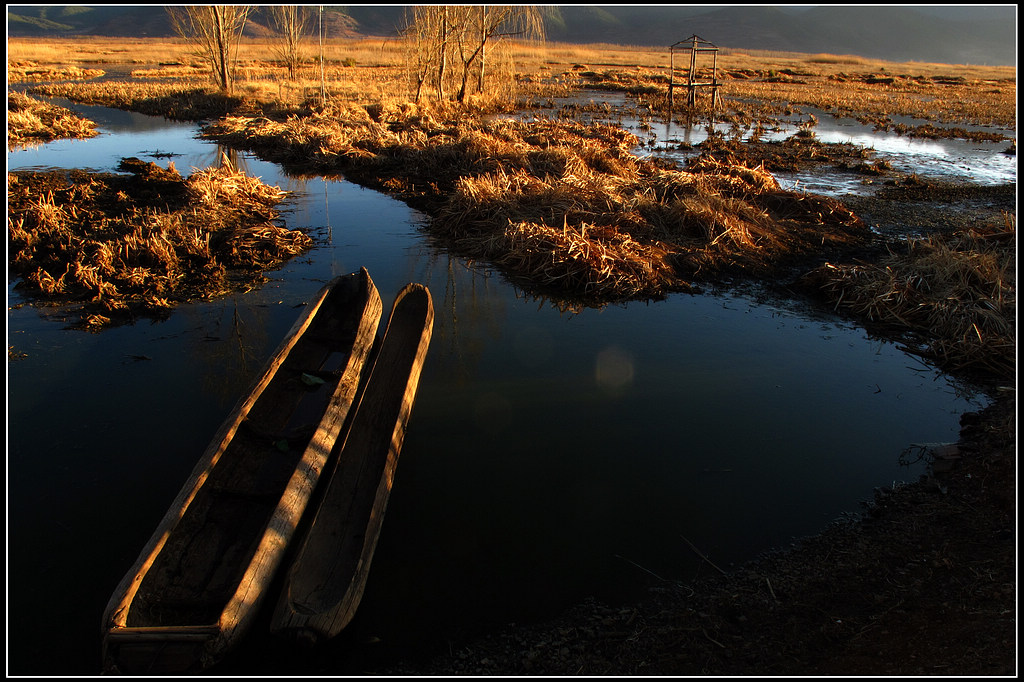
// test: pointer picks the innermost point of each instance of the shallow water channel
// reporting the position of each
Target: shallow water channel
(550, 456)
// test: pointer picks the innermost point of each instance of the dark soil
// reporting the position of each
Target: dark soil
(912, 207)
(797, 152)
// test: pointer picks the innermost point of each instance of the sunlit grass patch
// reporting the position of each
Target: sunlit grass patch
(30, 72)
(182, 101)
(144, 240)
(560, 206)
(31, 121)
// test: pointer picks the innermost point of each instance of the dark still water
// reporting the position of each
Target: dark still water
(550, 456)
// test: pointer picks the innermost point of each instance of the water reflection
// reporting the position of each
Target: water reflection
(952, 159)
(550, 453)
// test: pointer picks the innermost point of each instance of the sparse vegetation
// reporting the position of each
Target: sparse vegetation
(954, 295)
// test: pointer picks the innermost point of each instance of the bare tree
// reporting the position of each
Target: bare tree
(293, 23)
(450, 42)
(426, 33)
(490, 24)
(215, 30)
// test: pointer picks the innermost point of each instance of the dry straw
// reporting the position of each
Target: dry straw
(559, 205)
(142, 240)
(956, 294)
(31, 121)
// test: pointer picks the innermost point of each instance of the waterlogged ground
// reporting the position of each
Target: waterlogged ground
(551, 457)
(960, 160)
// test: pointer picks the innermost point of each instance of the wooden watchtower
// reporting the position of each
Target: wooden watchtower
(697, 76)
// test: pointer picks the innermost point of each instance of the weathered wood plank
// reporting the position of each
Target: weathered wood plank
(326, 580)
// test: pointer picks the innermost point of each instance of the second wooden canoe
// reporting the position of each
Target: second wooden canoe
(325, 582)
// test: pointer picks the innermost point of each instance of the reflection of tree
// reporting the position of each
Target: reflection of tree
(467, 311)
(233, 346)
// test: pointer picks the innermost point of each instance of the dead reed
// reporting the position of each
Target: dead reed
(955, 294)
(30, 121)
(560, 206)
(181, 101)
(144, 240)
(30, 72)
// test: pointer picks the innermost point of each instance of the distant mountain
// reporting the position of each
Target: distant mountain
(953, 35)
(942, 33)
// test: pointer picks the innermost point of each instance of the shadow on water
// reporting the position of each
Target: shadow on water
(551, 456)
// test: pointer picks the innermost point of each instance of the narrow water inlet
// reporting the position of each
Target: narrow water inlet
(550, 456)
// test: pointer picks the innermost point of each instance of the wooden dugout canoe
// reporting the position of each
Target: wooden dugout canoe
(200, 579)
(326, 579)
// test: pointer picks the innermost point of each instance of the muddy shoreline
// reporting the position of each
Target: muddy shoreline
(921, 582)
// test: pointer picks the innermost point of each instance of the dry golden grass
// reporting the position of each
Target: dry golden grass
(95, 50)
(30, 72)
(368, 71)
(956, 292)
(30, 121)
(182, 100)
(144, 240)
(564, 206)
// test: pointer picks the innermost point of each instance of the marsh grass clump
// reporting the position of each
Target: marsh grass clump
(954, 293)
(142, 241)
(180, 101)
(30, 72)
(31, 121)
(797, 152)
(560, 206)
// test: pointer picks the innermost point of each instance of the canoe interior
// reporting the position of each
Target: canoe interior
(209, 548)
(327, 577)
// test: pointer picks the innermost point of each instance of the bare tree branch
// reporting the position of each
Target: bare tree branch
(293, 23)
(215, 30)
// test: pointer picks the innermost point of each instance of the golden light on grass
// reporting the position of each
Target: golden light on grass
(367, 71)
(142, 240)
(31, 121)
(560, 206)
(563, 206)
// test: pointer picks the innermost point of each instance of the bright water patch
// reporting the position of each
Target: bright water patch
(122, 134)
(944, 159)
